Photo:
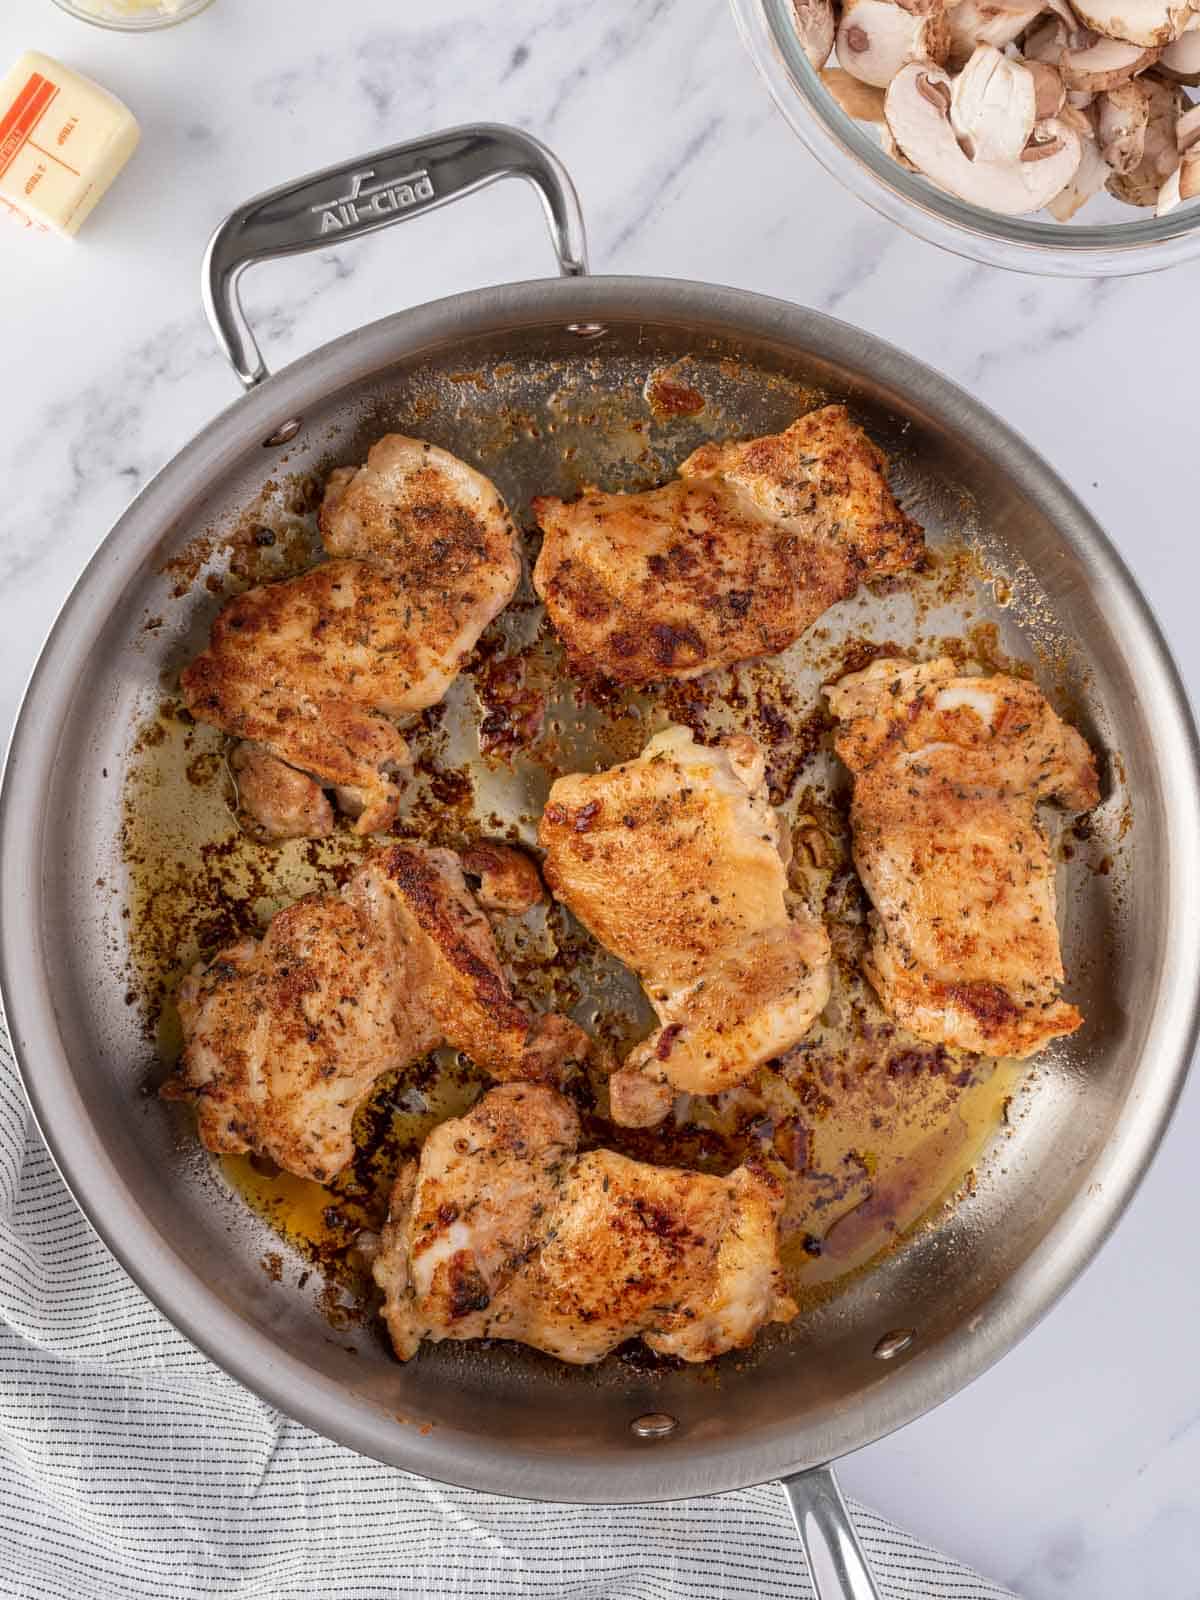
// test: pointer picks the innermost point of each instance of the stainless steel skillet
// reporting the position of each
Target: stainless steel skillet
(555, 372)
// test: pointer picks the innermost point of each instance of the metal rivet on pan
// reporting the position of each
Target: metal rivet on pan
(893, 1343)
(586, 330)
(654, 1425)
(282, 434)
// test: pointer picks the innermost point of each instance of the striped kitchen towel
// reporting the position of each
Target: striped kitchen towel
(134, 1467)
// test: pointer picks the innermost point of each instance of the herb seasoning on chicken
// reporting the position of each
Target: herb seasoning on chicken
(424, 555)
(732, 560)
(284, 1037)
(502, 1231)
(675, 862)
(948, 772)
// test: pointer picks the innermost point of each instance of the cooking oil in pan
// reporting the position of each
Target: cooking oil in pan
(868, 1128)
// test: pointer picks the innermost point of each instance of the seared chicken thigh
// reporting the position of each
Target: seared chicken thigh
(674, 863)
(948, 772)
(423, 556)
(284, 1036)
(733, 559)
(503, 1232)
(284, 802)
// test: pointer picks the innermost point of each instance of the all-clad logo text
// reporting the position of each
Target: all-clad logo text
(369, 202)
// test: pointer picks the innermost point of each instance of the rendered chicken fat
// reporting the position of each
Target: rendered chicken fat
(63, 139)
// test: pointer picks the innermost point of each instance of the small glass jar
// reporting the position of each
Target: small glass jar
(1108, 239)
(133, 16)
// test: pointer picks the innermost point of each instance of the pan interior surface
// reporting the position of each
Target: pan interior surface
(505, 379)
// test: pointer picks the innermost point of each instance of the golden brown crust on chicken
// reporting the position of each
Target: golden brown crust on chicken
(509, 881)
(674, 863)
(732, 560)
(284, 802)
(503, 1231)
(423, 556)
(284, 1037)
(948, 772)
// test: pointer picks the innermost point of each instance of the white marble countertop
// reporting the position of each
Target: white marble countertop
(1072, 1469)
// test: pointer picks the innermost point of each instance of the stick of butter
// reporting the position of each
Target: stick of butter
(63, 139)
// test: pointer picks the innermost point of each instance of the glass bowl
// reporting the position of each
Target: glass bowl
(1108, 238)
(116, 14)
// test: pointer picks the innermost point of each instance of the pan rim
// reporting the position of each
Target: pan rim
(686, 1467)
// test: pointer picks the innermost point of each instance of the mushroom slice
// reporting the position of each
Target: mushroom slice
(891, 149)
(1187, 129)
(1092, 173)
(1087, 61)
(993, 106)
(1099, 63)
(1144, 22)
(862, 101)
(917, 107)
(1181, 59)
(1183, 184)
(1049, 93)
(815, 28)
(1121, 117)
(974, 22)
(875, 38)
(1160, 152)
(1049, 41)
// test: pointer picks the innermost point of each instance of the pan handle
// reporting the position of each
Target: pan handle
(837, 1563)
(373, 192)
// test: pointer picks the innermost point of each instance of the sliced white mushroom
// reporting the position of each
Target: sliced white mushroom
(1144, 22)
(993, 106)
(1099, 63)
(1087, 61)
(890, 148)
(1183, 184)
(1181, 59)
(1048, 41)
(876, 38)
(815, 28)
(1121, 117)
(917, 107)
(862, 101)
(1160, 152)
(1090, 176)
(1080, 120)
(974, 22)
(1187, 129)
(1049, 93)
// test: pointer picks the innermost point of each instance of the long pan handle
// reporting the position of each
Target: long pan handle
(836, 1561)
(373, 192)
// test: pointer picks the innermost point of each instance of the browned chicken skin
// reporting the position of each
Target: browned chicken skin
(674, 862)
(948, 772)
(502, 1231)
(284, 1037)
(284, 802)
(509, 881)
(423, 556)
(732, 560)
